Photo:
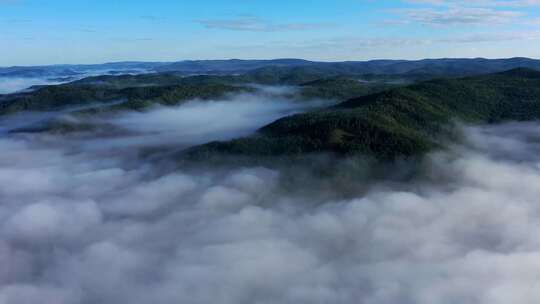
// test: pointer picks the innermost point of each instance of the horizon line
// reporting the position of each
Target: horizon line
(272, 59)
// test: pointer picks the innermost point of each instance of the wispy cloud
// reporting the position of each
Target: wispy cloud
(254, 24)
(478, 3)
(465, 13)
(459, 16)
(535, 21)
(359, 45)
(492, 37)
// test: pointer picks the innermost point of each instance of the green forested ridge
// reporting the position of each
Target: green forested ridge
(141, 91)
(383, 120)
(53, 98)
(440, 67)
(267, 75)
(341, 88)
(400, 122)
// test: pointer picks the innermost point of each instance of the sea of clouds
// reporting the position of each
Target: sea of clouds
(85, 223)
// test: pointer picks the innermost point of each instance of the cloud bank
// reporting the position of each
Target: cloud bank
(81, 225)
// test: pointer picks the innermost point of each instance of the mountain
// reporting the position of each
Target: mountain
(66, 70)
(445, 66)
(231, 65)
(380, 118)
(137, 92)
(437, 67)
(400, 122)
(64, 97)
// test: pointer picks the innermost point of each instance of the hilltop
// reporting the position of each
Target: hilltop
(137, 92)
(400, 122)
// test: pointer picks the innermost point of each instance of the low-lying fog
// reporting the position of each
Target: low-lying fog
(13, 84)
(10, 85)
(81, 226)
(192, 123)
(198, 122)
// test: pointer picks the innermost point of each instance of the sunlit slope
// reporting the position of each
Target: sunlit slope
(400, 122)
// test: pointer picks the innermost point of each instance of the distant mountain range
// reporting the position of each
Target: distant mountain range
(68, 70)
(235, 66)
(389, 67)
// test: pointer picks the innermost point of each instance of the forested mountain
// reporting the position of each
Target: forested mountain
(400, 122)
(385, 116)
(137, 92)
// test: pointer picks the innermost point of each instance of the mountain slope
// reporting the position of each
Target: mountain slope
(400, 122)
(140, 91)
(63, 97)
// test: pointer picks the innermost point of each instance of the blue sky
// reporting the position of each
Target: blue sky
(82, 31)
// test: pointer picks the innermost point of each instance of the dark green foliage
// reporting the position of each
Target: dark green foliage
(52, 98)
(439, 67)
(126, 81)
(289, 76)
(141, 98)
(141, 91)
(429, 67)
(340, 88)
(401, 122)
(268, 75)
(97, 99)
(173, 95)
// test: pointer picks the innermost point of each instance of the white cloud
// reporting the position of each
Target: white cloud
(478, 3)
(254, 24)
(459, 16)
(105, 226)
(45, 221)
(466, 13)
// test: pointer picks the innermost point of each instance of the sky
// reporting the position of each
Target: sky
(39, 32)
